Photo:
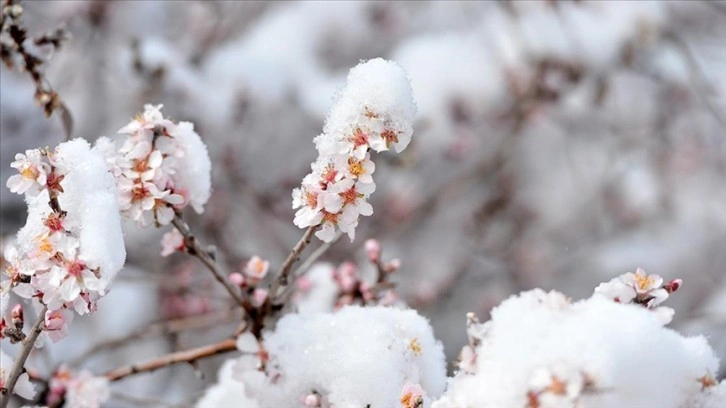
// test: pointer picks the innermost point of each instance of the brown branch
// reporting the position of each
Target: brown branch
(164, 327)
(281, 278)
(194, 248)
(186, 356)
(19, 363)
(17, 34)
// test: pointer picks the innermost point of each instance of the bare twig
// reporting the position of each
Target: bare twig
(187, 356)
(309, 261)
(194, 248)
(19, 363)
(281, 278)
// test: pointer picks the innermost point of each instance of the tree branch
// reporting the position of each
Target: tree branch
(19, 364)
(186, 356)
(195, 249)
(281, 278)
(163, 327)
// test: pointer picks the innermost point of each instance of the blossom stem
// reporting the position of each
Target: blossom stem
(281, 278)
(19, 364)
(186, 356)
(195, 249)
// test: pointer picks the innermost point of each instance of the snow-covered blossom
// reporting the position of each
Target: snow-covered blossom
(171, 242)
(71, 247)
(80, 389)
(329, 355)
(541, 350)
(161, 167)
(375, 111)
(23, 387)
(412, 396)
(643, 289)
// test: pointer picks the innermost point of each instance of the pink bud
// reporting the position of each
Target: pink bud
(392, 266)
(236, 278)
(16, 316)
(304, 284)
(373, 250)
(312, 400)
(673, 285)
(259, 296)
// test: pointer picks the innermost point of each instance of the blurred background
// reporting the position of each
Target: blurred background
(558, 144)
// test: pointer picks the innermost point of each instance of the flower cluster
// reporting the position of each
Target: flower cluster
(71, 246)
(643, 289)
(161, 167)
(78, 389)
(374, 112)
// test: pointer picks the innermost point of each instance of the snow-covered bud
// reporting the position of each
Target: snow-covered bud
(373, 250)
(16, 317)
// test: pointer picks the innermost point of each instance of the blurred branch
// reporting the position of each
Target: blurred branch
(701, 83)
(13, 38)
(187, 356)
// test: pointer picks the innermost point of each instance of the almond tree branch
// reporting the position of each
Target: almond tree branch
(163, 327)
(19, 364)
(195, 249)
(186, 356)
(281, 278)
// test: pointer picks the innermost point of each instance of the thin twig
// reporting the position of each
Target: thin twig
(186, 356)
(307, 263)
(19, 363)
(164, 327)
(281, 278)
(195, 249)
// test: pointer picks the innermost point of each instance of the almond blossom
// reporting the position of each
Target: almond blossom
(32, 173)
(160, 167)
(374, 112)
(71, 246)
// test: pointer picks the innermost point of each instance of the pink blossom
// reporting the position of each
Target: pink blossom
(256, 269)
(412, 396)
(171, 242)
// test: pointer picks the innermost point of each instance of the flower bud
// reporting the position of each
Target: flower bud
(673, 285)
(373, 250)
(16, 316)
(312, 400)
(236, 278)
